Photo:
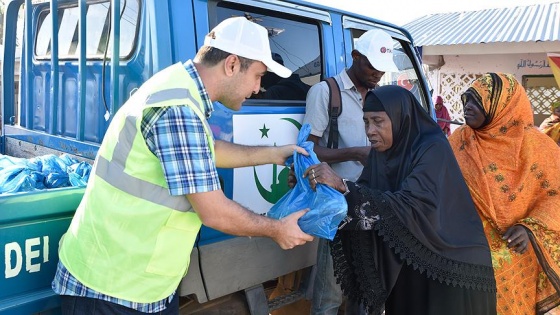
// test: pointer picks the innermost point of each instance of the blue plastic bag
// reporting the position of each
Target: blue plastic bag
(54, 170)
(79, 174)
(18, 179)
(47, 171)
(327, 206)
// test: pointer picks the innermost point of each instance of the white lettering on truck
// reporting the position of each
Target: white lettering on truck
(32, 254)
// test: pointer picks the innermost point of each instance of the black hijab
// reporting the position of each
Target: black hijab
(421, 210)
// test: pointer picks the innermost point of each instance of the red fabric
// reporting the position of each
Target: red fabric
(444, 114)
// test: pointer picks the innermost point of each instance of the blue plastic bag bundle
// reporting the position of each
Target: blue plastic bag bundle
(19, 178)
(7, 161)
(47, 171)
(54, 169)
(327, 206)
(79, 174)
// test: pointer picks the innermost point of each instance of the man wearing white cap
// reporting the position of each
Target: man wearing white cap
(155, 182)
(371, 58)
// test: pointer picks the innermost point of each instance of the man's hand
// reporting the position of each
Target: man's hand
(517, 238)
(363, 153)
(282, 153)
(231, 155)
(220, 213)
(359, 154)
(289, 234)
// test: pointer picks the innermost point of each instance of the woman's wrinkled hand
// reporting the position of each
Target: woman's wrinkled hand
(517, 238)
(322, 173)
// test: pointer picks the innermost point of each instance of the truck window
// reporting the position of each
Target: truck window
(98, 30)
(294, 42)
(408, 75)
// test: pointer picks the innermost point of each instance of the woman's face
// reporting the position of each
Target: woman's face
(557, 111)
(379, 130)
(474, 117)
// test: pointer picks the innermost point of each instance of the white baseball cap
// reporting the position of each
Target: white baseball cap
(377, 46)
(247, 39)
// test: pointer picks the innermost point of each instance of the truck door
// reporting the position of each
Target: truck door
(409, 75)
(301, 38)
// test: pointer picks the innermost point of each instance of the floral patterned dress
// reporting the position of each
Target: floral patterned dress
(513, 173)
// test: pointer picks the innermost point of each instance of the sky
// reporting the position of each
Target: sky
(400, 12)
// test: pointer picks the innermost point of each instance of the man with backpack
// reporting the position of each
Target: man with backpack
(334, 111)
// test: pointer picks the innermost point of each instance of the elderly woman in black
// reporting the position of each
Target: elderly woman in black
(412, 239)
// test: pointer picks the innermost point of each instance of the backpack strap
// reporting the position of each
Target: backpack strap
(335, 110)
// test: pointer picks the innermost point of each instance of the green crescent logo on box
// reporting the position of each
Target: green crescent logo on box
(279, 186)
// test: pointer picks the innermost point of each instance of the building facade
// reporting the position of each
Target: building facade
(458, 47)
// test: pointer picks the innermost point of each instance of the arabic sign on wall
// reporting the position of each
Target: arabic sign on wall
(533, 63)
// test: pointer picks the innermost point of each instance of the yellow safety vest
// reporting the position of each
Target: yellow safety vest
(129, 238)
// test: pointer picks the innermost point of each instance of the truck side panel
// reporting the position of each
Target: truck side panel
(32, 225)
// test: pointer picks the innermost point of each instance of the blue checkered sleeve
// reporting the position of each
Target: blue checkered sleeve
(178, 139)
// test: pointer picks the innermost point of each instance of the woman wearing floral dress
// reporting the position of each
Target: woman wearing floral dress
(513, 173)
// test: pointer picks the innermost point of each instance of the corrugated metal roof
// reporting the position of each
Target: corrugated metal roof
(539, 22)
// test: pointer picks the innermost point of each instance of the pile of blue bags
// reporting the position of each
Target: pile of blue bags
(42, 172)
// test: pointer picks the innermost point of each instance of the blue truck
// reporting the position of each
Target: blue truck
(62, 85)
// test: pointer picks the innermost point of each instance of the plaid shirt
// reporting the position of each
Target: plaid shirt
(176, 136)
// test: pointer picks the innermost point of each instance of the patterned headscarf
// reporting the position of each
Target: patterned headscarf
(512, 169)
(550, 126)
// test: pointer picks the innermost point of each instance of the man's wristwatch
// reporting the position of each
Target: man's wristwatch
(344, 180)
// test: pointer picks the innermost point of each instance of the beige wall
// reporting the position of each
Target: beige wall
(517, 64)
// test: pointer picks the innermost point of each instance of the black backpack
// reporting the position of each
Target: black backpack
(335, 110)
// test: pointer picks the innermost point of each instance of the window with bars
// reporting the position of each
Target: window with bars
(98, 30)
